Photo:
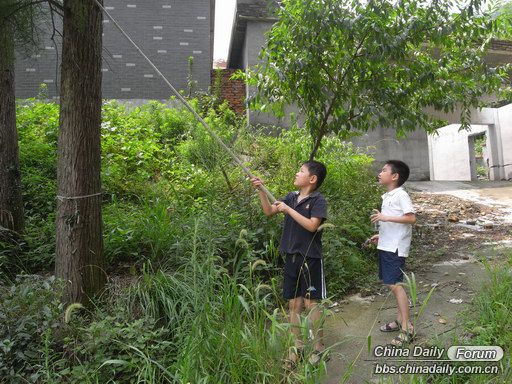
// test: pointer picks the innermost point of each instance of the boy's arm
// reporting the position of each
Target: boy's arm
(268, 209)
(310, 224)
(408, 218)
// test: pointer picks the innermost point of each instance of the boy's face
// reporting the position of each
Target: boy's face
(303, 178)
(387, 177)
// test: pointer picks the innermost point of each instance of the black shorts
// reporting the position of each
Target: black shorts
(303, 277)
(391, 267)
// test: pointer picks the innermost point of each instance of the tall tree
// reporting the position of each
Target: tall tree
(351, 66)
(18, 26)
(79, 249)
(11, 203)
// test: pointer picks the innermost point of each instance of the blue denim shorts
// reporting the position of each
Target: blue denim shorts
(391, 267)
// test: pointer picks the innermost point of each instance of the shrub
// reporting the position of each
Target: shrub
(351, 194)
(207, 306)
(30, 312)
(161, 168)
(114, 347)
(38, 125)
(137, 144)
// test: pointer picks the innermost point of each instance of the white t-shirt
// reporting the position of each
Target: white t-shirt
(393, 236)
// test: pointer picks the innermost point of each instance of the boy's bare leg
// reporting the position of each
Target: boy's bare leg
(315, 315)
(403, 307)
(295, 307)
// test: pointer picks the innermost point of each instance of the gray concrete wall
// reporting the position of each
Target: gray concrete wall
(504, 128)
(483, 116)
(168, 31)
(383, 145)
(450, 149)
(254, 42)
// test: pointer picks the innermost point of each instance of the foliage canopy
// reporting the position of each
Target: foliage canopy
(351, 66)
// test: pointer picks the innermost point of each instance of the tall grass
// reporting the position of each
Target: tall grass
(417, 307)
(223, 331)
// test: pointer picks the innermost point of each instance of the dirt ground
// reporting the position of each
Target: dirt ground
(449, 227)
(451, 237)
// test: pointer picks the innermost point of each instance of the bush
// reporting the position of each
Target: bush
(116, 348)
(30, 312)
(38, 126)
(351, 194)
(207, 306)
(138, 144)
(161, 168)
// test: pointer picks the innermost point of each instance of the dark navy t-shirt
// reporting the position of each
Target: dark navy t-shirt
(296, 238)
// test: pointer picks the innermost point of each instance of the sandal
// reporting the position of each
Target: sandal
(318, 356)
(388, 327)
(402, 338)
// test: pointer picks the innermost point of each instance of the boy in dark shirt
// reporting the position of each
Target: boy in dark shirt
(304, 282)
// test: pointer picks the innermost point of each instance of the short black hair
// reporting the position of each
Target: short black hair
(318, 169)
(398, 166)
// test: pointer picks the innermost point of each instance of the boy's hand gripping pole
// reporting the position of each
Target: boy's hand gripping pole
(235, 158)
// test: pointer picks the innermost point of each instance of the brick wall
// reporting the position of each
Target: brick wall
(231, 90)
(501, 45)
(168, 31)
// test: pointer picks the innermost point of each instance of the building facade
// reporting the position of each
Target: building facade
(177, 35)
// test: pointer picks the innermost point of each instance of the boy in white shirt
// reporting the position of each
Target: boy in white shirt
(393, 243)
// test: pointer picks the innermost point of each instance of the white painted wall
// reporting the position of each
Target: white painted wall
(449, 152)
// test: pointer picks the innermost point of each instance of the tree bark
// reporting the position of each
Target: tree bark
(79, 243)
(11, 203)
(316, 146)
(318, 140)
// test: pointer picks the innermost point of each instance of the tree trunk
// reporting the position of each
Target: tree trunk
(11, 204)
(316, 146)
(79, 250)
